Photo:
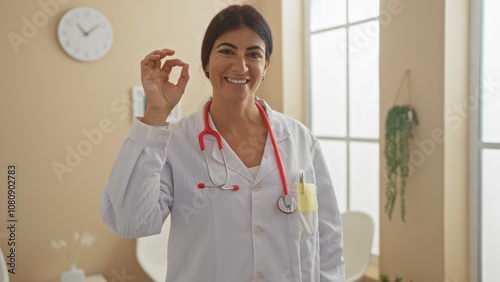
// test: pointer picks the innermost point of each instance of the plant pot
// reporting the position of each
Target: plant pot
(73, 275)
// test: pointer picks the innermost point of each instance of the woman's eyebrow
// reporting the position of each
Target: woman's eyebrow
(255, 47)
(234, 47)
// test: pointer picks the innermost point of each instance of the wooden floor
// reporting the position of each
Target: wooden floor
(372, 274)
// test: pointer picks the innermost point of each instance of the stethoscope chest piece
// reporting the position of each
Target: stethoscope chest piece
(287, 204)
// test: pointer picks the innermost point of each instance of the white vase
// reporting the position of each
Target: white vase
(73, 275)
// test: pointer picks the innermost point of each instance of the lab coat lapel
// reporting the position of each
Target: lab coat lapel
(281, 132)
(269, 163)
(233, 162)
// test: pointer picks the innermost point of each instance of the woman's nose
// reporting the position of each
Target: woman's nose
(239, 65)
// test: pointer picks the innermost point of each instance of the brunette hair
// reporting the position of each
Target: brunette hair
(231, 18)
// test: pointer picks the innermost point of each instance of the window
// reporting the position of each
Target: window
(343, 82)
(485, 140)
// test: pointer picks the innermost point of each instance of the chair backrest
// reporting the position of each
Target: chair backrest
(358, 228)
(4, 274)
(151, 253)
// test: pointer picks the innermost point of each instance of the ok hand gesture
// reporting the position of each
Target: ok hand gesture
(161, 94)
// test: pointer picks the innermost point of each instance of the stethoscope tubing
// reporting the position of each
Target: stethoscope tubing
(210, 131)
(275, 146)
(286, 203)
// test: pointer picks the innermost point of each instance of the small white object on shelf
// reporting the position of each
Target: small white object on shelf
(96, 278)
(73, 275)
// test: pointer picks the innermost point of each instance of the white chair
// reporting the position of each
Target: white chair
(151, 253)
(358, 228)
(4, 274)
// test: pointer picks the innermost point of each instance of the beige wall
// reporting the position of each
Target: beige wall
(283, 88)
(430, 37)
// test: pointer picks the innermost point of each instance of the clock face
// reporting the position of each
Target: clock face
(85, 34)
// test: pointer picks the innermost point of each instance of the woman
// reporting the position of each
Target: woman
(246, 233)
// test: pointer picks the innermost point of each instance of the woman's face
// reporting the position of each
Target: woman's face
(237, 65)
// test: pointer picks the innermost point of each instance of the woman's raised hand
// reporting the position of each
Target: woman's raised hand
(161, 94)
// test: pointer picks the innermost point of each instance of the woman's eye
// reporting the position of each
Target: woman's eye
(255, 55)
(225, 52)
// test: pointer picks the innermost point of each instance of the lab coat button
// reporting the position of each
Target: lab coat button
(255, 188)
(259, 277)
(257, 230)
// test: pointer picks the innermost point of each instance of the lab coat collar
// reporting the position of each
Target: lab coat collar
(279, 127)
(268, 163)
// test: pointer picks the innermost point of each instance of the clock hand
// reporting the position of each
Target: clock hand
(92, 29)
(82, 30)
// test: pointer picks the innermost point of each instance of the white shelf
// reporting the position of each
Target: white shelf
(95, 278)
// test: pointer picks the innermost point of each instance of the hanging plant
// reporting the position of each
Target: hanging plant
(398, 127)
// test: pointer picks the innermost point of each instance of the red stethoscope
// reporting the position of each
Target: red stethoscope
(286, 203)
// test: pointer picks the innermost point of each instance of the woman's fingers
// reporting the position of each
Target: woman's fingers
(183, 79)
(162, 53)
(152, 63)
(169, 64)
(153, 59)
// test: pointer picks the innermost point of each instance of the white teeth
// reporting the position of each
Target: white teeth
(236, 81)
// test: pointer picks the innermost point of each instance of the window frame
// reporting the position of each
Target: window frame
(474, 197)
(476, 145)
(308, 90)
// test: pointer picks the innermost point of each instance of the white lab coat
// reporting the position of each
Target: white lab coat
(226, 236)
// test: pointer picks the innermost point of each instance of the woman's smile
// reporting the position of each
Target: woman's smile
(238, 81)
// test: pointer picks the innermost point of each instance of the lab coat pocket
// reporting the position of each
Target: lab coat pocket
(303, 223)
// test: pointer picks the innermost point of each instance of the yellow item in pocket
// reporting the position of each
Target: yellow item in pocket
(306, 197)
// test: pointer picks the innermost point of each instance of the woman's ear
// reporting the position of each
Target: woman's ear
(207, 74)
(265, 68)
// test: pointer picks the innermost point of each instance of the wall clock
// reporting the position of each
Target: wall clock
(85, 34)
